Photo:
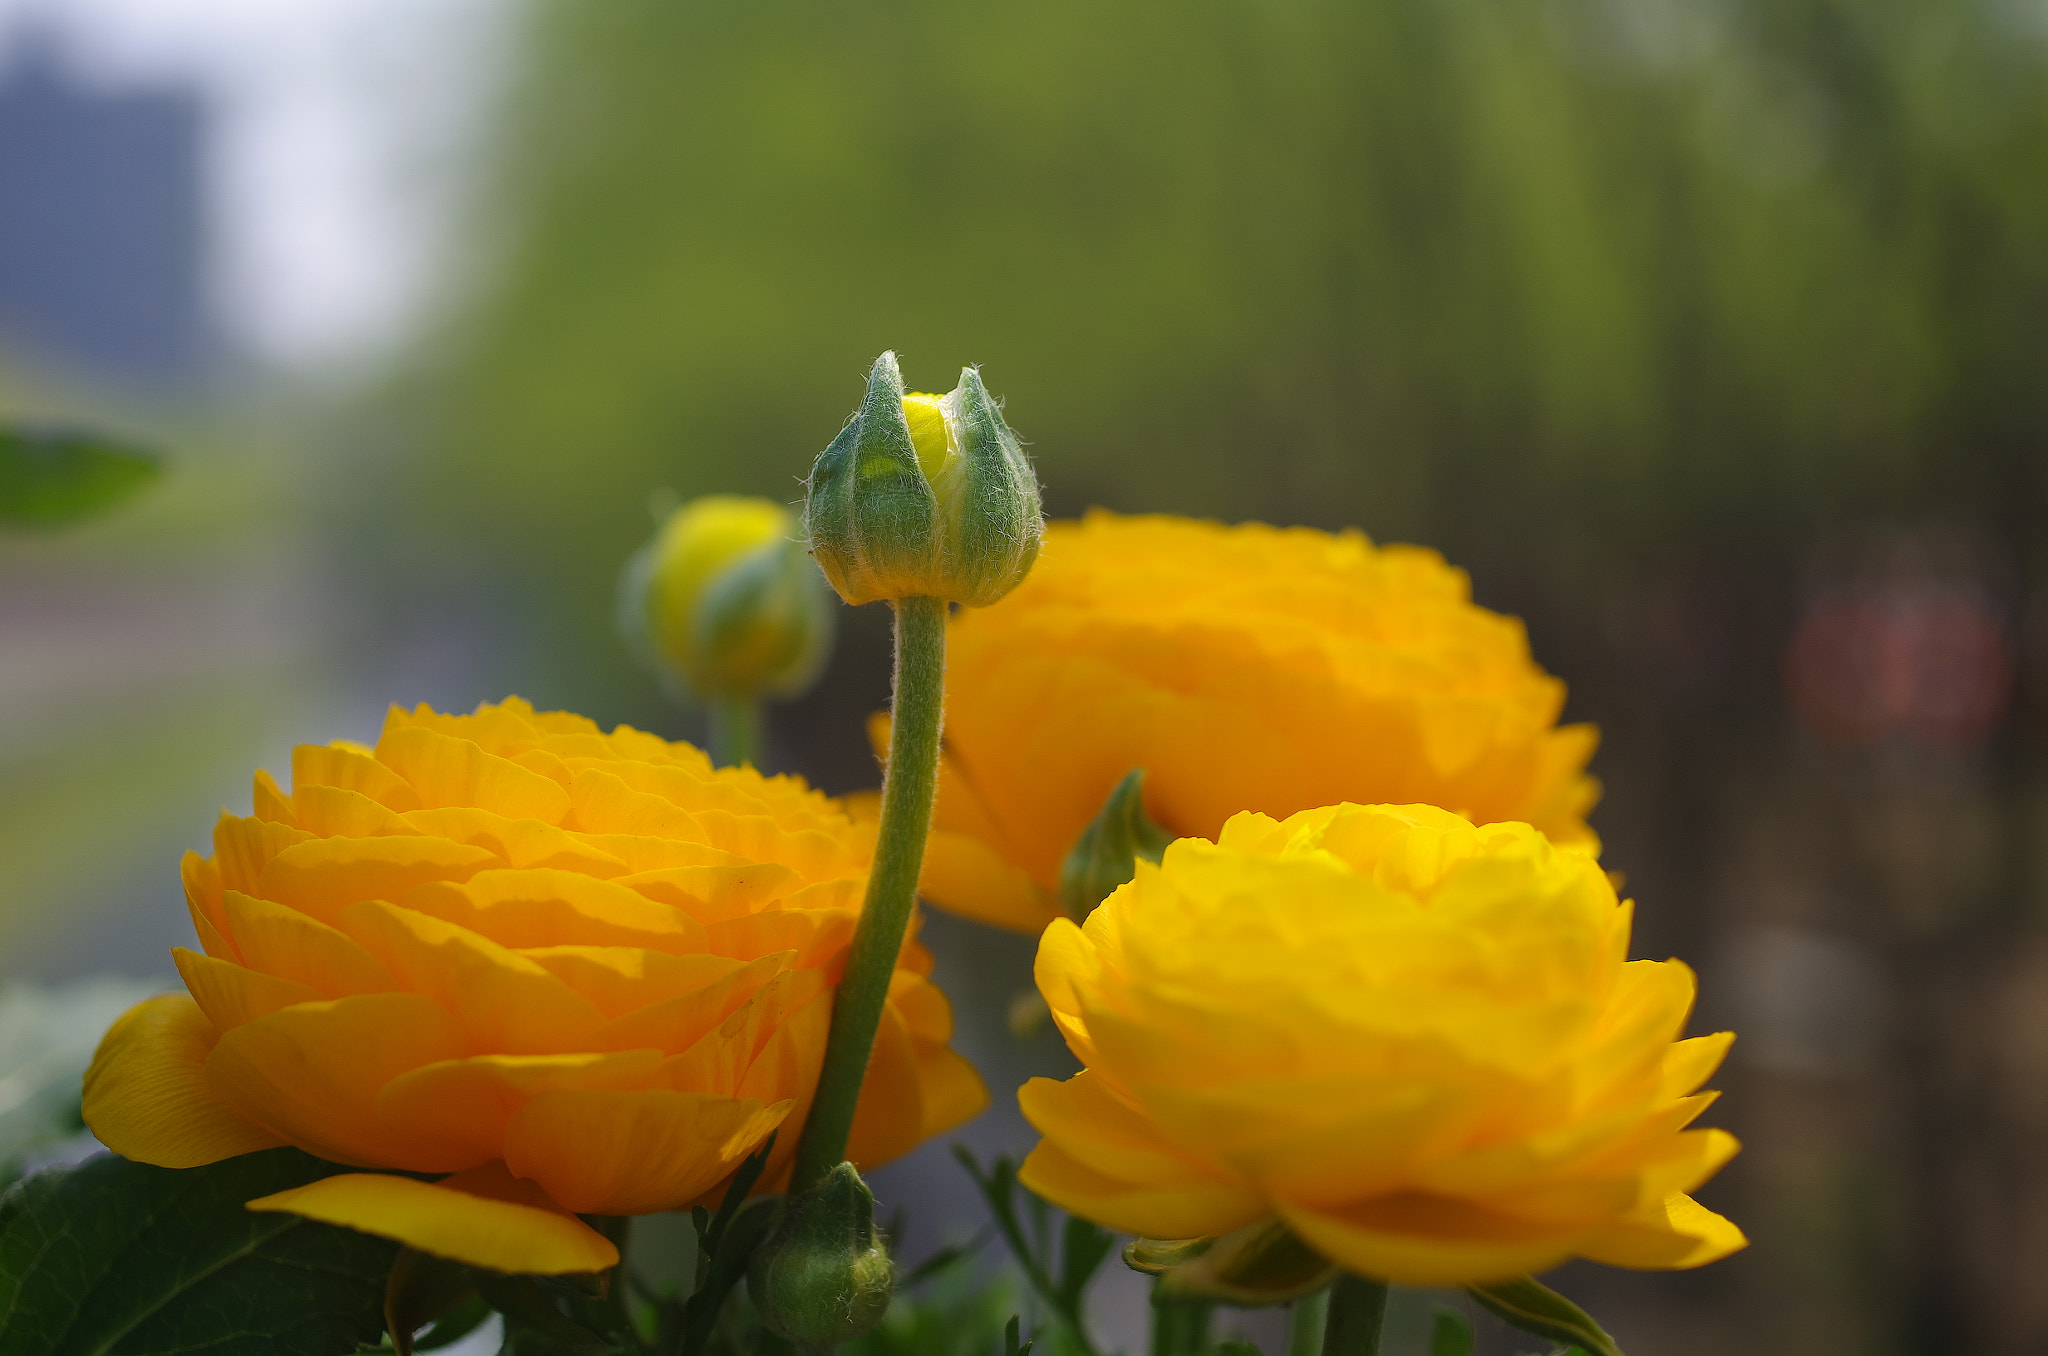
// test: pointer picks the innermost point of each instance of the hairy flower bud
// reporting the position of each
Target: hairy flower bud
(723, 602)
(924, 496)
(824, 1277)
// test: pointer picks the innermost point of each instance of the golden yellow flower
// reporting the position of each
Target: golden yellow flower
(585, 973)
(1243, 668)
(1417, 1042)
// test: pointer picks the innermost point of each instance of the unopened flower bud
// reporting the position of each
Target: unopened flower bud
(924, 496)
(823, 1278)
(724, 601)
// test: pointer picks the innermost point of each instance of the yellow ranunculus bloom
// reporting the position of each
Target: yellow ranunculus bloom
(584, 973)
(1243, 668)
(1417, 1042)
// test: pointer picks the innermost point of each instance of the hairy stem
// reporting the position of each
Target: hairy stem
(1305, 1324)
(907, 791)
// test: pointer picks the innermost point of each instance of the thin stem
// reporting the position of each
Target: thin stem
(1357, 1307)
(735, 721)
(1178, 1329)
(907, 790)
(1305, 1324)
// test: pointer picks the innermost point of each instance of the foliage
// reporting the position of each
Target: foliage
(114, 1256)
(50, 477)
(1541, 282)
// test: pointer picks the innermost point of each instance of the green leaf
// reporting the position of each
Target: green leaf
(1237, 1346)
(1083, 1249)
(725, 1243)
(1451, 1335)
(1011, 1346)
(1107, 852)
(113, 1258)
(1535, 1308)
(49, 477)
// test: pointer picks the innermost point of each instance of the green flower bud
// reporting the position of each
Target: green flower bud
(924, 496)
(823, 1278)
(725, 602)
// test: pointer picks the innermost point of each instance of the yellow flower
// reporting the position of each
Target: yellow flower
(1243, 668)
(585, 973)
(1417, 1043)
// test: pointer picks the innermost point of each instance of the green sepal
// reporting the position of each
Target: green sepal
(767, 613)
(50, 477)
(1260, 1264)
(993, 517)
(1107, 852)
(870, 511)
(1534, 1307)
(111, 1255)
(823, 1277)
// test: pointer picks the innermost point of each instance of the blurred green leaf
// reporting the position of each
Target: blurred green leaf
(53, 476)
(1534, 1307)
(1450, 1335)
(114, 1256)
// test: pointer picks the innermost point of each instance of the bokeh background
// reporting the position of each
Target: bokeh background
(1711, 336)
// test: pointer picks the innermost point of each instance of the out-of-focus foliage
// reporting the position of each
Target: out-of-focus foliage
(1578, 274)
(49, 477)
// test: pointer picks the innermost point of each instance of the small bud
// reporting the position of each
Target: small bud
(924, 495)
(1107, 852)
(824, 1277)
(725, 602)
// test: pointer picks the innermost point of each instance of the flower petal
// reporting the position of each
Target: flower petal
(147, 1096)
(484, 1218)
(633, 1153)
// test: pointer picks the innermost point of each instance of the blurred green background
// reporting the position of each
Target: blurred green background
(1710, 335)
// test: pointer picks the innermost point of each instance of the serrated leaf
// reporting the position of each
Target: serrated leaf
(113, 1258)
(1534, 1307)
(49, 477)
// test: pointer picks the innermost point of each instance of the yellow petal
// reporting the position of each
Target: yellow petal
(313, 1072)
(323, 876)
(537, 907)
(967, 876)
(623, 979)
(351, 769)
(147, 1096)
(468, 1101)
(678, 1023)
(1678, 1234)
(518, 843)
(1096, 1129)
(230, 994)
(1426, 1240)
(483, 1218)
(633, 1153)
(507, 1003)
(712, 894)
(285, 942)
(445, 770)
(1186, 1209)
(271, 803)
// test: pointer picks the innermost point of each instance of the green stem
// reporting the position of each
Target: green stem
(1305, 1324)
(735, 721)
(1357, 1307)
(1179, 1329)
(907, 790)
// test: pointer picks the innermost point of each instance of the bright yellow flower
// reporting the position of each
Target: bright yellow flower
(1416, 1042)
(1243, 668)
(585, 973)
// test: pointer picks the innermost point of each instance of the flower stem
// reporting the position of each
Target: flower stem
(735, 721)
(1357, 1307)
(907, 791)
(1305, 1324)
(1179, 1329)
